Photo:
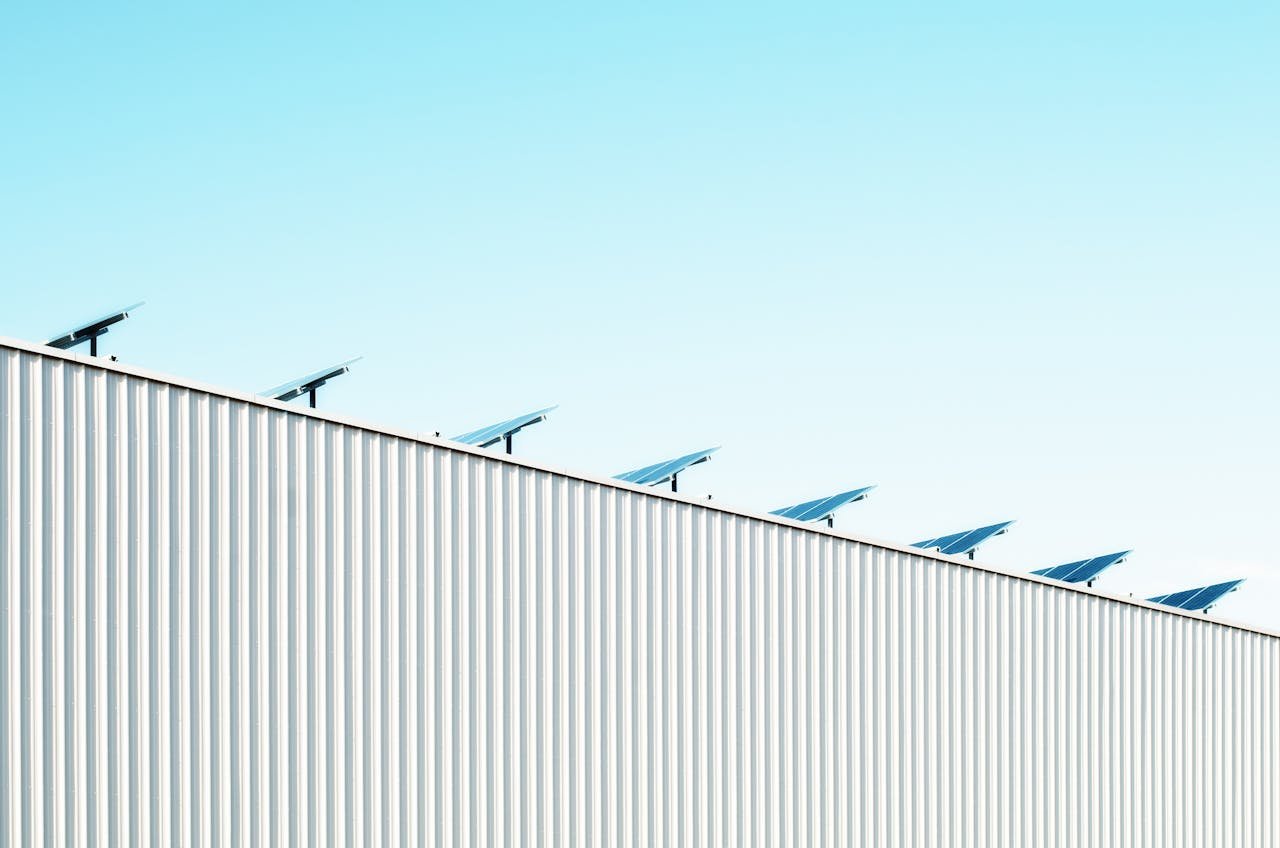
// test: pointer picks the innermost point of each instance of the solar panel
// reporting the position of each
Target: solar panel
(661, 472)
(307, 385)
(1084, 571)
(503, 430)
(1197, 599)
(966, 542)
(89, 331)
(822, 508)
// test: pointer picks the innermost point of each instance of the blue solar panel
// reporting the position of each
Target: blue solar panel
(822, 508)
(1176, 599)
(486, 436)
(300, 386)
(1084, 570)
(966, 542)
(661, 472)
(1197, 599)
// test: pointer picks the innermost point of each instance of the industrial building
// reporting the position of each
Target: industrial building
(229, 620)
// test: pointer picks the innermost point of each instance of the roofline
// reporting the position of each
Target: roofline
(105, 364)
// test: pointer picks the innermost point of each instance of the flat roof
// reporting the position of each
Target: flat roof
(105, 364)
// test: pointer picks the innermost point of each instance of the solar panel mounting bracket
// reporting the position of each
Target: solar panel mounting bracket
(310, 384)
(503, 431)
(668, 470)
(92, 331)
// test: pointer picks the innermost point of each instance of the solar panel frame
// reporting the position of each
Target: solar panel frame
(494, 433)
(661, 472)
(296, 388)
(1083, 571)
(1200, 599)
(965, 542)
(822, 508)
(91, 329)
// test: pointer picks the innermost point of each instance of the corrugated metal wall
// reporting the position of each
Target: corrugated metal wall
(227, 624)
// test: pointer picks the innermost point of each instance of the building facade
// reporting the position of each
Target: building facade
(224, 621)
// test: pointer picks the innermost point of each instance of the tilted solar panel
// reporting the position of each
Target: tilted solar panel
(1084, 570)
(1197, 600)
(661, 472)
(302, 385)
(493, 433)
(965, 542)
(817, 510)
(90, 330)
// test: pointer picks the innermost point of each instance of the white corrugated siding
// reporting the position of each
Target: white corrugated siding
(227, 624)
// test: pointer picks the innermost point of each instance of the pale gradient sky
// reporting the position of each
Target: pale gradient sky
(1002, 262)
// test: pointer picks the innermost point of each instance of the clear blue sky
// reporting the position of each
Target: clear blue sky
(1002, 262)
